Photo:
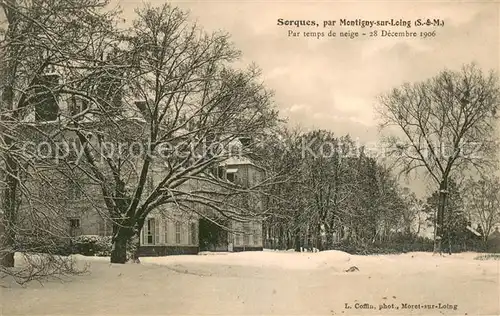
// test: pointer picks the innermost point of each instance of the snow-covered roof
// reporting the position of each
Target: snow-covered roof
(236, 160)
(475, 232)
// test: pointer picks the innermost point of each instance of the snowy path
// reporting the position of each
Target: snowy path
(268, 283)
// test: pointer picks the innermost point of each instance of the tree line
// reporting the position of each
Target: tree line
(340, 195)
(337, 192)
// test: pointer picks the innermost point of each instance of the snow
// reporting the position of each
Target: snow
(266, 283)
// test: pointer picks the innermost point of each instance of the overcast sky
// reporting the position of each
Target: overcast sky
(332, 83)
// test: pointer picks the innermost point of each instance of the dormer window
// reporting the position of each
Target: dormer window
(77, 105)
(110, 92)
(220, 172)
(45, 99)
(142, 106)
(231, 175)
(191, 125)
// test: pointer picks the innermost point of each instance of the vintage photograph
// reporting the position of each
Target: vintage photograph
(249, 157)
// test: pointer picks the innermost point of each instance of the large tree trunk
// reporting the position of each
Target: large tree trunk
(484, 243)
(119, 250)
(9, 204)
(136, 240)
(450, 242)
(7, 239)
(296, 234)
(440, 217)
(320, 239)
(297, 240)
(7, 78)
(289, 240)
(329, 236)
(7, 242)
(282, 238)
(121, 237)
(9, 220)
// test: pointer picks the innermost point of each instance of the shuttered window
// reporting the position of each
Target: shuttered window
(178, 228)
(165, 231)
(246, 232)
(151, 232)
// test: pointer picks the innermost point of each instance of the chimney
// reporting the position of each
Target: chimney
(143, 108)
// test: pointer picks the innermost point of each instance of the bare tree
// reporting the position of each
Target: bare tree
(36, 38)
(482, 201)
(334, 188)
(447, 125)
(411, 214)
(280, 155)
(328, 179)
(185, 107)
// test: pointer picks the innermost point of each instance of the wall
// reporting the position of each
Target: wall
(164, 231)
(247, 235)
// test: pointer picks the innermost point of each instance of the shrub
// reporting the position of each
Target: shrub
(34, 243)
(87, 245)
(490, 256)
(92, 245)
(397, 244)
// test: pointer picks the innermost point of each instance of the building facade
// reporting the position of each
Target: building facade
(79, 208)
(171, 231)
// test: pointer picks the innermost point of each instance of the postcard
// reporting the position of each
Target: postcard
(249, 157)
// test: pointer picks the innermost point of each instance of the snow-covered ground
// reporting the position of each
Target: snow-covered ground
(269, 283)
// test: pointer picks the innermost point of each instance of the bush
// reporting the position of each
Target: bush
(92, 245)
(35, 243)
(397, 244)
(87, 245)
(490, 256)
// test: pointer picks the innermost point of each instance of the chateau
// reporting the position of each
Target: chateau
(168, 229)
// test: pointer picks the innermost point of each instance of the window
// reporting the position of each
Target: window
(77, 105)
(74, 227)
(165, 231)
(105, 228)
(157, 232)
(191, 124)
(75, 191)
(231, 175)
(110, 90)
(142, 106)
(237, 239)
(178, 228)
(246, 232)
(256, 238)
(74, 223)
(151, 233)
(220, 172)
(45, 99)
(192, 234)
(136, 149)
